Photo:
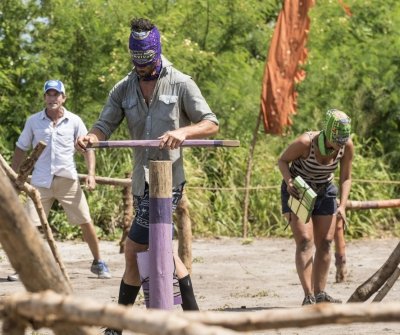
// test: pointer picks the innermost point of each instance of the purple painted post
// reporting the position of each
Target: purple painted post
(160, 239)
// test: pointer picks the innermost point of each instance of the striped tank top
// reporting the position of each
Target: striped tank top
(311, 170)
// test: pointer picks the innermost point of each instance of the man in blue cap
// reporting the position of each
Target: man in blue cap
(54, 174)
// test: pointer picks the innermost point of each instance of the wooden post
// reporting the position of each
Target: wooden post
(248, 178)
(160, 235)
(184, 225)
(128, 212)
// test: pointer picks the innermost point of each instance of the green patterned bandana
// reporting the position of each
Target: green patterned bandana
(337, 127)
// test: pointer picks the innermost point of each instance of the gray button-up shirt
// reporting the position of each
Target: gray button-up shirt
(176, 102)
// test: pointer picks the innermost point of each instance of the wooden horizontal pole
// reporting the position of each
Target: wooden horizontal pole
(35, 307)
(123, 182)
(156, 143)
(372, 204)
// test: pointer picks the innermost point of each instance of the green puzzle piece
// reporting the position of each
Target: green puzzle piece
(303, 206)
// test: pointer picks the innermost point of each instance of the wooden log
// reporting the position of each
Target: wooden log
(127, 182)
(27, 165)
(372, 284)
(184, 225)
(372, 204)
(388, 285)
(128, 212)
(160, 235)
(14, 326)
(49, 309)
(34, 194)
(27, 252)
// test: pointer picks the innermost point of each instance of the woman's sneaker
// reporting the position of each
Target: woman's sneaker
(308, 300)
(324, 297)
(100, 268)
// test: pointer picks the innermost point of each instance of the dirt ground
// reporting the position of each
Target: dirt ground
(231, 275)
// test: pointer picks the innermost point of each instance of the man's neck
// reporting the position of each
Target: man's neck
(55, 114)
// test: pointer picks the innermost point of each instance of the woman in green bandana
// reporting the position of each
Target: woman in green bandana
(315, 156)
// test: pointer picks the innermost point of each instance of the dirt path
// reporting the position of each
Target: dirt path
(230, 275)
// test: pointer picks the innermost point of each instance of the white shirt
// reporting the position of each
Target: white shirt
(57, 159)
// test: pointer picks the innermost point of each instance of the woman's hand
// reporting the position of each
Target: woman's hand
(341, 212)
(292, 189)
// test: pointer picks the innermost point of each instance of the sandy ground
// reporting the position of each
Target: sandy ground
(231, 275)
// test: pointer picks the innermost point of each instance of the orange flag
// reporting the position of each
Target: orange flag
(287, 51)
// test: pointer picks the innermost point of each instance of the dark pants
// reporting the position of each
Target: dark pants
(139, 231)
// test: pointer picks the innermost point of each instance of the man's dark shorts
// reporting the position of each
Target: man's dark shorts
(325, 204)
(139, 231)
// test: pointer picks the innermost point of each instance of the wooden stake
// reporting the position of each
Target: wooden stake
(248, 177)
(160, 235)
(184, 225)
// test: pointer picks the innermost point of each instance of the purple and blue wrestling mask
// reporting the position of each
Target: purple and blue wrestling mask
(145, 47)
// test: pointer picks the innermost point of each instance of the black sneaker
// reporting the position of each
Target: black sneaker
(324, 297)
(109, 331)
(308, 300)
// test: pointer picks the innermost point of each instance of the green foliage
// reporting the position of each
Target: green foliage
(353, 65)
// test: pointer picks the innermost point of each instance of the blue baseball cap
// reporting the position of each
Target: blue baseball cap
(54, 85)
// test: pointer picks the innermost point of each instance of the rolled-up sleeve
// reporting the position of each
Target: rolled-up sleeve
(194, 104)
(112, 113)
